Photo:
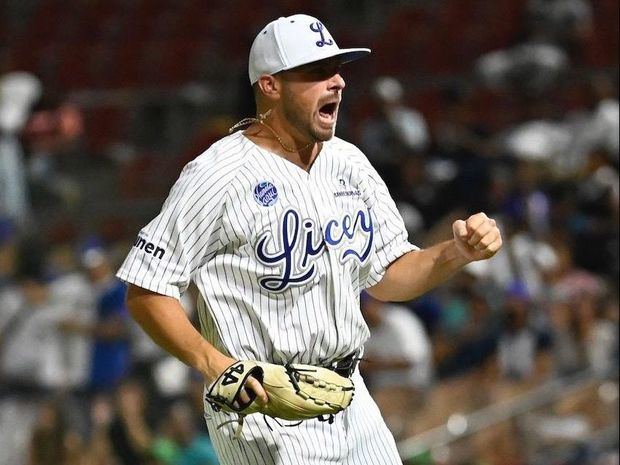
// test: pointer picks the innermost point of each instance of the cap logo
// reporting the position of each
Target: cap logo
(318, 28)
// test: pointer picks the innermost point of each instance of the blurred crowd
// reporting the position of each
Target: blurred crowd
(89, 385)
(526, 130)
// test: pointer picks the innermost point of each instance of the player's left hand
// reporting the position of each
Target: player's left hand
(477, 238)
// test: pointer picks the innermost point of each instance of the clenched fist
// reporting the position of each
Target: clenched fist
(478, 237)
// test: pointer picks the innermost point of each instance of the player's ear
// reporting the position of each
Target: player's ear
(269, 86)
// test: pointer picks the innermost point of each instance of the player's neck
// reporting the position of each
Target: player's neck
(271, 135)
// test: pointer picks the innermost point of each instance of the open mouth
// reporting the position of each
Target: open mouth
(328, 111)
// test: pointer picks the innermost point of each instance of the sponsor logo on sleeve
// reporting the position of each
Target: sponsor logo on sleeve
(148, 247)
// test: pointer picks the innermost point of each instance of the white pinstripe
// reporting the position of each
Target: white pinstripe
(311, 247)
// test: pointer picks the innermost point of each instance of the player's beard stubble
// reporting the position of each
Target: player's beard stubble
(303, 119)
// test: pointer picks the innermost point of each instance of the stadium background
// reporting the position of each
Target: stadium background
(508, 106)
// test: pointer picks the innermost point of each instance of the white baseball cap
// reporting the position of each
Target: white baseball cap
(294, 41)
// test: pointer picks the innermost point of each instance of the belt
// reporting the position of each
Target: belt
(345, 366)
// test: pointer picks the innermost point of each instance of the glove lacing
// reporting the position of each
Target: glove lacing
(294, 375)
(240, 420)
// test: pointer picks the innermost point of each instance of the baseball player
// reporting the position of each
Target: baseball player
(281, 226)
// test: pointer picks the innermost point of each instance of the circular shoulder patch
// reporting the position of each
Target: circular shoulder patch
(265, 194)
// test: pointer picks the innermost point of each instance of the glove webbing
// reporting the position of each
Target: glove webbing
(295, 375)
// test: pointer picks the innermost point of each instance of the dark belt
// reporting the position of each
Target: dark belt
(345, 366)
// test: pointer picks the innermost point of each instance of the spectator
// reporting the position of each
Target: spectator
(601, 339)
(568, 281)
(593, 129)
(517, 343)
(464, 140)
(470, 338)
(566, 348)
(594, 220)
(99, 450)
(395, 131)
(181, 443)
(531, 68)
(50, 134)
(563, 21)
(129, 434)
(606, 114)
(111, 356)
(34, 324)
(111, 351)
(525, 258)
(18, 91)
(52, 442)
(398, 354)
(73, 295)
(422, 190)
(28, 342)
(10, 296)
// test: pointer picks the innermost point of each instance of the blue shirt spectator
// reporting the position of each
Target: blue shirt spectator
(111, 351)
(109, 334)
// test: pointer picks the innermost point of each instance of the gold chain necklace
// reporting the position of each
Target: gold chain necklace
(261, 120)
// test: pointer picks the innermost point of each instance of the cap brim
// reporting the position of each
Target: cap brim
(346, 55)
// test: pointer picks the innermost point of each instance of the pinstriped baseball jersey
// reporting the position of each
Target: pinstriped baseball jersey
(279, 254)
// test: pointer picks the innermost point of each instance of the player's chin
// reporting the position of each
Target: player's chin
(323, 135)
(324, 131)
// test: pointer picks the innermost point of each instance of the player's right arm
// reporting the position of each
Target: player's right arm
(164, 320)
(168, 252)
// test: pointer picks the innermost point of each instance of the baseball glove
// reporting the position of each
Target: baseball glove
(296, 392)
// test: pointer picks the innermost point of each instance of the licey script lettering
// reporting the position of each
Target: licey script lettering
(300, 241)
